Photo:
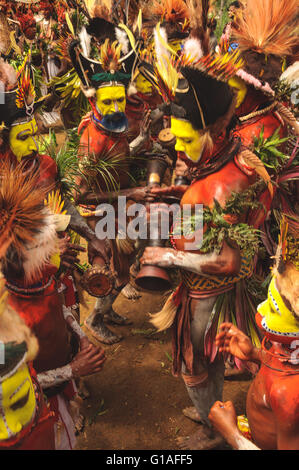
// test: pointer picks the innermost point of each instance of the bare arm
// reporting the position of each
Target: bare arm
(227, 262)
(224, 419)
(285, 406)
(136, 194)
(88, 361)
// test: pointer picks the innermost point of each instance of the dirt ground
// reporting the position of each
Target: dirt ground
(135, 401)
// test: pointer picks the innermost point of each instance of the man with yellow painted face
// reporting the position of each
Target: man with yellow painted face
(142, 98)
(173, 15)
(26, 423)
(201, 106)
(29, 260)
(266, 54)
(104, 137)
(272, 405)
(19, 143)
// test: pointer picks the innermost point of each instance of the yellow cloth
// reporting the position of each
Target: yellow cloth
(244, 427)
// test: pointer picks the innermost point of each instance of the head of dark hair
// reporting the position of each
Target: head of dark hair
(235, 4)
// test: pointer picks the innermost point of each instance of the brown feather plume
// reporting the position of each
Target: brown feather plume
(268, 27)
(253, 161)
(199, 22)
(21, 208)
(171, 10)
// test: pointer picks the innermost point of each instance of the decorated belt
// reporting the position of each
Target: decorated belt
(215, 284)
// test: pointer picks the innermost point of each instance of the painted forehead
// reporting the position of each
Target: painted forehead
(23, 127)
(111, 91)
(182, 128)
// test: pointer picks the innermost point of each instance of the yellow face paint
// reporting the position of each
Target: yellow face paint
(143, 85)
(21, 139)
(188, 140)
(276, 315)
(239, 85)
(111, 99)
(17, 403)
(175, 45)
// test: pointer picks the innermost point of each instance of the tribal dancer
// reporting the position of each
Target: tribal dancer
(202, 106)
(26, 422)
(272, 401)
(104, 142)
(29, 234)
(266, 35)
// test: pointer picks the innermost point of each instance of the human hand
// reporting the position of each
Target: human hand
(99, 250)
(142, 194)
(232, 340)
(158, 256)
(69, 252)
(146, 123)
(224, 419)
(176, 191)
(88, 361)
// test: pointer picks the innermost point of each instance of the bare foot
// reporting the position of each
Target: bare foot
(203, 439)
(102, 333)
(113, 317)
(191, 413)
(130, 292)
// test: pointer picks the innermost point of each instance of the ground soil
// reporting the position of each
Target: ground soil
(135, 401)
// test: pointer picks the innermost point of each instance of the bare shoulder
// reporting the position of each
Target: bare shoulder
(284, 399)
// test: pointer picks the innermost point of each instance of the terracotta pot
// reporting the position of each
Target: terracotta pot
(153, 278)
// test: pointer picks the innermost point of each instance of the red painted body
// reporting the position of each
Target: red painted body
(96, 141)
(273, 404)
(43, 315)
(254, 101)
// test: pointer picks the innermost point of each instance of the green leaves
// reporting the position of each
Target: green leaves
(268, 150)
(218, 229)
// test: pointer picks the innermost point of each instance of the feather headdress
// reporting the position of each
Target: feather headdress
(173, 11)
(25, 93)
(268, 27)
(26, 226)
(267, 34)
(173, 16)
(196, 89)
(199, 39)
(288, 243)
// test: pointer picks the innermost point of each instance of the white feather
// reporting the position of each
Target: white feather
(291, 74)
(38, 254)
(193, 49)
(161, 51)
(8, 74)
(132, 90)
(85, 40)
(122, 38)
(88, 92)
